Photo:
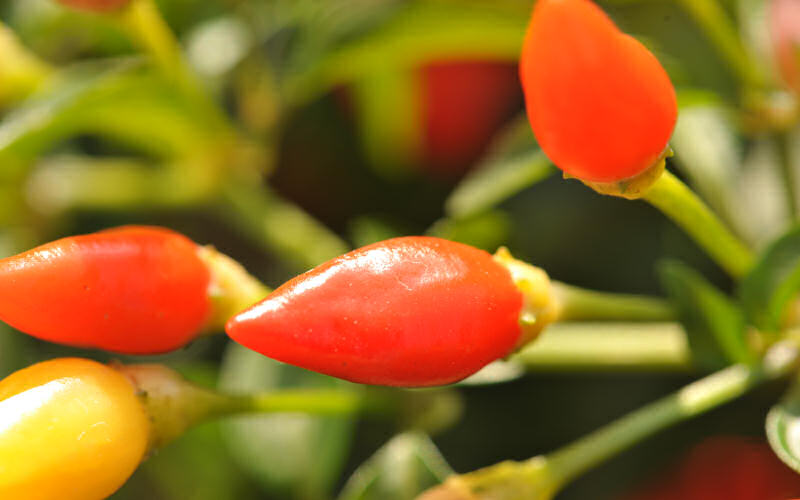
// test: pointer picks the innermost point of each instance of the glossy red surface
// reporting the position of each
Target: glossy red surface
(131, 290)
(600, 104)
(415, 311)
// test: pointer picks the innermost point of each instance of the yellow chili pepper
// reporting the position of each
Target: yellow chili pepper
(70, 429)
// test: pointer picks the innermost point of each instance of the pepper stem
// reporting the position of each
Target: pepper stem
(607, 347)
(579, 304)
(174, 404)
(545, 302)
(688, 211)
(721, 31)
(142, 21)
(541, 477)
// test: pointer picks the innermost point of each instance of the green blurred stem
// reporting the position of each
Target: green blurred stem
(578, 304)
(278, 225)
(719, 28)
(541, 477)
(67, 182)
(316, 401)
(608, 346)
(688, 211)
(696, 398)
(143, 22)
(21, 71)
(784, 144)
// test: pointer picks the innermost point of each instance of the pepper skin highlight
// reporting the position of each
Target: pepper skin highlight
(70, 429)
(413, 311)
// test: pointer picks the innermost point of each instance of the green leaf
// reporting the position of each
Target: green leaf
(420, 31)
(118, 100)
(783, 428)
(715, 325)
(513, 164)
(402, 469)
(293, 455)
(366, 230)
(738, 176)
(773, 282)
(487, 230)
(708, 151)
(280, 225)
(389, 120)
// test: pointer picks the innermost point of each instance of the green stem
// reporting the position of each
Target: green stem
(608, 346)
(784, 144)
(316, 401)
(63, 183)
(541, 477)
(143, 22)
(174, 405)
(686, 209)
(578, 304)
(696, 398)
(279, 226)
(719, 28)
(21, 71)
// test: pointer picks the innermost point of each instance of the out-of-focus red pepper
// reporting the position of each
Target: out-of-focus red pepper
(464, 104)
(729, 468)
(785, 31)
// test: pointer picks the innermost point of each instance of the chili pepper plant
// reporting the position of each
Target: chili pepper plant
(281, 249)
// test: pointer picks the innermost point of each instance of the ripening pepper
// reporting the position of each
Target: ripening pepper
(133, 290)
(600, 104)
(413, 311)
(95, 5)
(729, 467)
(464, 102)
(785, 30)
(70, 429)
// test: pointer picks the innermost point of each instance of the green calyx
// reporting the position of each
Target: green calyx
(539, 307)
(231, 288)
(634, 187)
(508, 480)
(172, 403)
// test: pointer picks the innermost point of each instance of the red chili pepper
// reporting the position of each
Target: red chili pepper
(464, 103)
(600, 104)
(414, 311)
(785, 30)
(733, 468)
(95, 5)
(133, 290)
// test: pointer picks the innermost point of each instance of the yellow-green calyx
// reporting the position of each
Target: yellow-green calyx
(634, 187)
(172, 403)
(529, 480)
(539, 308)
(231, 288)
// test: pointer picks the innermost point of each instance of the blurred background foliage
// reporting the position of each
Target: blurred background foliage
(319, 126)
